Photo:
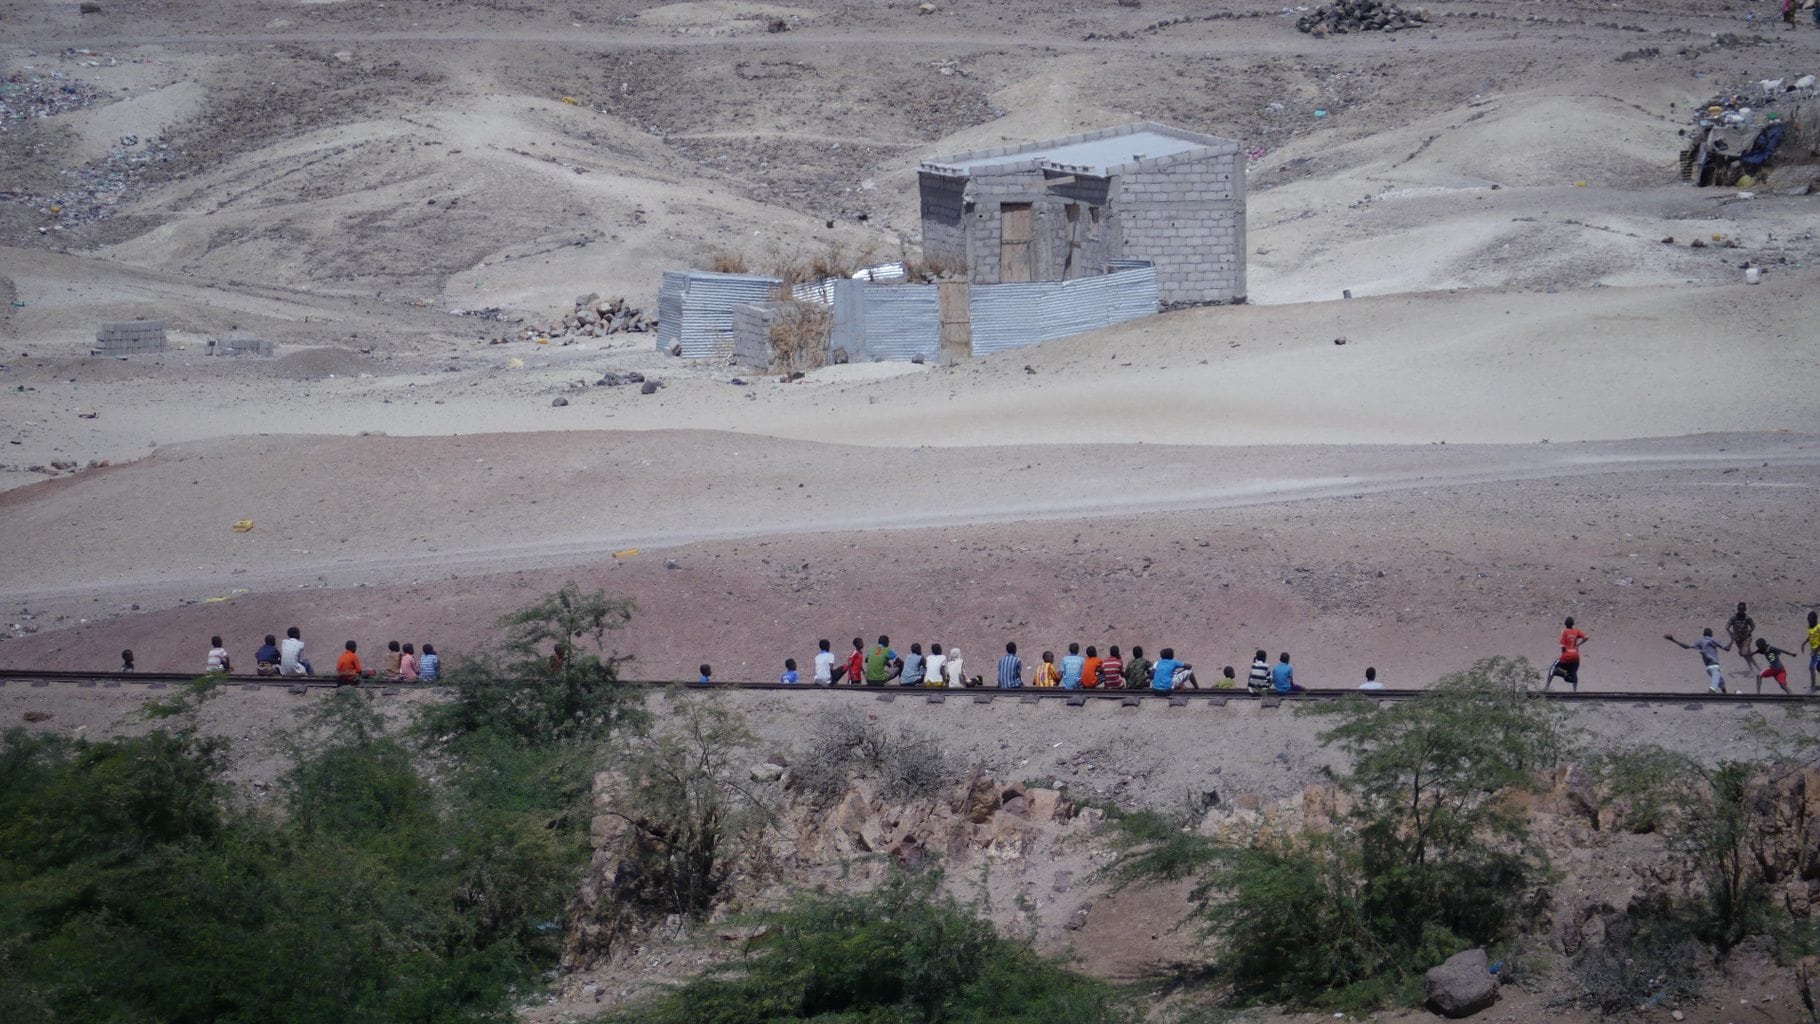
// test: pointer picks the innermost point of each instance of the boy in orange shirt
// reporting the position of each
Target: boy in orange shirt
(348, 668)
(1090, 672)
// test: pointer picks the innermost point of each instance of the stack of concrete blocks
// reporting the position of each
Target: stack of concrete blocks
(239, 343)
(752, 345)
(130, 337)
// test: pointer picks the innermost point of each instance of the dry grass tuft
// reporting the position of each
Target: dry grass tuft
(801, 333)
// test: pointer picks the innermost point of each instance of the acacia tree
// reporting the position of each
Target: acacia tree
(1439, 843)
(689, 814)
(522, 692)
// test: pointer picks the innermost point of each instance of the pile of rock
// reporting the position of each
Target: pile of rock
(1360, 16)
(594, 317)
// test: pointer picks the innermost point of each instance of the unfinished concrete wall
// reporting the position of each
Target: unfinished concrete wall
(238, 343)
(129, 337)
(1187, 216)
(944, 237)
(752, 334)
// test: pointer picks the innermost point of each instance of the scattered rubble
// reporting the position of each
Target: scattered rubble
(1345, 16)
(592, 317)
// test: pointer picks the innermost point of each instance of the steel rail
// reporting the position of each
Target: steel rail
(164, 680)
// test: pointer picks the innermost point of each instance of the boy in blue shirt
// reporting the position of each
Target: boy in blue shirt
(1282, 676)
(1162, 675)
(1072, 666)
(789, 677)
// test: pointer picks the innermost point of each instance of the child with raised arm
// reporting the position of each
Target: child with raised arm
(1709, 649)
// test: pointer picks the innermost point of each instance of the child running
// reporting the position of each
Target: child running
(1742, 627)
(1709, 649)
(1567, 666)
(1772, 668)
(1812, 643)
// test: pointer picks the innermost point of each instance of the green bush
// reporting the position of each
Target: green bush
(1716, 816)
(133, 888)
(902, 954)
(1431, 860)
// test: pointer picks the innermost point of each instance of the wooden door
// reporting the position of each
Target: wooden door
(1014, 257)
(957, 321)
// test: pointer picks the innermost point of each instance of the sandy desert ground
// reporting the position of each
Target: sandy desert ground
(1549, 402)
(1542, 408)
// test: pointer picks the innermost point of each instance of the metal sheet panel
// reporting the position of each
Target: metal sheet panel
(902, 321)
(1133, 295)
(1007, 316)
(695, 309)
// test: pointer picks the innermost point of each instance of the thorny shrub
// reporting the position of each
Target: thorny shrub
(844, 745)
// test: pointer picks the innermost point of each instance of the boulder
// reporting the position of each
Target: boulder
(1045, 804)
(982, 800)
(1463, 985)
(767, 772)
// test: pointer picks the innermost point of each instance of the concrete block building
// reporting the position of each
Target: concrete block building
(1059, 210)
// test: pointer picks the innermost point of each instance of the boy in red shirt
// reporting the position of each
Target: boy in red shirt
(856, 662)
(1567, 666)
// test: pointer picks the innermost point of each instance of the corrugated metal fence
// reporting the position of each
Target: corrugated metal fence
(1008, 316)
(695, 309)
(900, 322)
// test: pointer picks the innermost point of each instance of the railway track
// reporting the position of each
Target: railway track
(1029, 695)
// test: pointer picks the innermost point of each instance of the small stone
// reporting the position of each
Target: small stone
(558, 402)
(649, 388)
